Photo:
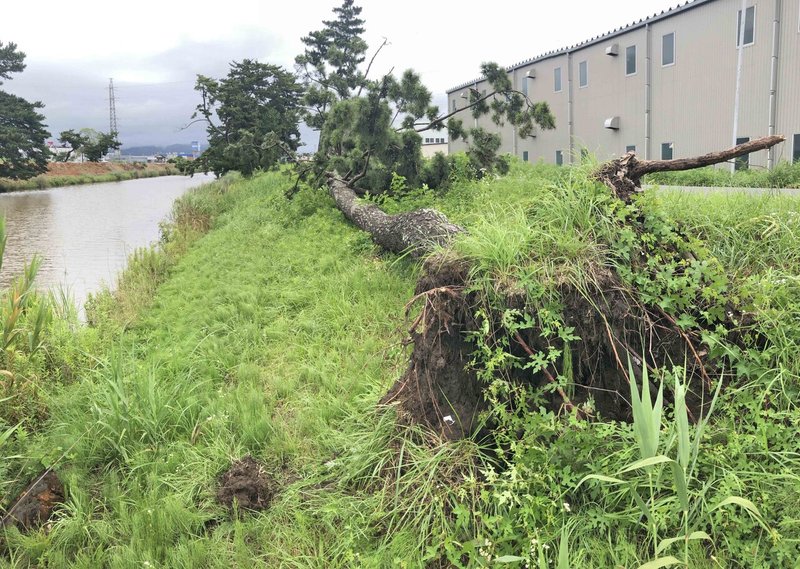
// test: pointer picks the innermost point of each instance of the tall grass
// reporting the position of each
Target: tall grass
(783, 175)
(269, 327)
(653, 493)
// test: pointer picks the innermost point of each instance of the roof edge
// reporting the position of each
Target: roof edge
(680, 8)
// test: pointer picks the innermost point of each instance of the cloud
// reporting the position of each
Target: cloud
(155, 94)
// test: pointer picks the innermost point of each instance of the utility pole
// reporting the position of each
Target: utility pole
(112, 111)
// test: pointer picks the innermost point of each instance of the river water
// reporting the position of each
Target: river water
(84, 234)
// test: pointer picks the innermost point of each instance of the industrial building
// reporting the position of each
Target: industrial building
(690, 80)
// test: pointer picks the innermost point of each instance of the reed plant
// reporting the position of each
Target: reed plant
(661, 498)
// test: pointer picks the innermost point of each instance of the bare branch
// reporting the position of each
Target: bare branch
(197, 121)
(371, 61)
(624, 174)
(441, 119)
(649, 166)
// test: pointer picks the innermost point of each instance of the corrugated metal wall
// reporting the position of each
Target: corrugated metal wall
(691, 100)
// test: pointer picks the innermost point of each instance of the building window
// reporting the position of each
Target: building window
(796, 152)
(557, 79)
(525, 86)
(630, 148)
(749, 26)
(630, 60)
(742, 162)
(668, 49)
(525, 155)
(666, 150)
(560, 157)
(454, 105)
(583, 74)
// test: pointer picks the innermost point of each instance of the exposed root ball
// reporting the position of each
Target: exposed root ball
(442, 391)
(438, 389)
(246, 484)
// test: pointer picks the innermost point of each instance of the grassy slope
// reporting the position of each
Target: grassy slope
(276, 334)
(274, 330)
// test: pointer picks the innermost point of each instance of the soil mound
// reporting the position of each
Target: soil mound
(35, 505)
(441, 388)
(247, 484)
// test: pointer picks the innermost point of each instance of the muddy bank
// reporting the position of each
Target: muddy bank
(75, 173)
(613, 334)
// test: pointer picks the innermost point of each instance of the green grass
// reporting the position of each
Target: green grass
(272, 328)
(44, 182)
(262, 341)
(784, 175)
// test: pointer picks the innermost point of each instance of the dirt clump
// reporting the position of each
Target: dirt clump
(35, 505)
(439, 389)
(247, 484)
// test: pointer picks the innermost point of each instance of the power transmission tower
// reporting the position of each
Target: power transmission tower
(112, 111)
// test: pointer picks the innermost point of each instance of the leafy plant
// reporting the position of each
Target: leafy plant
(659, 505)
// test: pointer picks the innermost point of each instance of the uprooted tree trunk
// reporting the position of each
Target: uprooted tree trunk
(617, 331)
(416, 232)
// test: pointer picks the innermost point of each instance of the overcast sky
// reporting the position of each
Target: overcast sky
(154, 50)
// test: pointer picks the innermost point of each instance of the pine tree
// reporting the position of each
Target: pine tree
(252, 117)
(23, 152)
(329, 66)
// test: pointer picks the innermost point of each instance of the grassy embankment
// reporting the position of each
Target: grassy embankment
(276, 333)
(784, 175)
(73, 174)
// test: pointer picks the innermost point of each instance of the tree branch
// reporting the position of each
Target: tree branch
(623, 175)
(374, 55)
(643, 167)
(363, 172)
(184, 127)
(441, 119)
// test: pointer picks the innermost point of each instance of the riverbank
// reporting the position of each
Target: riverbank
(75, 173)
(262, 333)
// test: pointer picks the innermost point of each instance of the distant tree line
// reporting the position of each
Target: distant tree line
(23, 134)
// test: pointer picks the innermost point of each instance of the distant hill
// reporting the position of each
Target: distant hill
(149, 150)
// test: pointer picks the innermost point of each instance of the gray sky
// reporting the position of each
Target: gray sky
(154, 50)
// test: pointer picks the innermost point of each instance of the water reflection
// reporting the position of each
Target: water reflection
(84, 234)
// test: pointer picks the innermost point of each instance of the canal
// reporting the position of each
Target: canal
(84, 234)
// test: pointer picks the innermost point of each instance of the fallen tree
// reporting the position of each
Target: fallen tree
(621, 322)
(416, 232)
(613, 330)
